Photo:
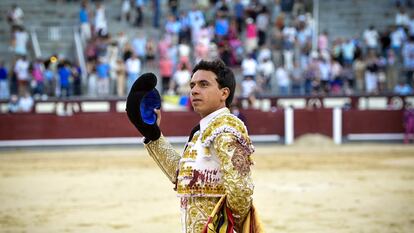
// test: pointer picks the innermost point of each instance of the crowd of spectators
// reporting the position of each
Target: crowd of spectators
(267, 42)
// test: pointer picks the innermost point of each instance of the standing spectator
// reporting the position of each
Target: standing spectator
(371, 74)
(289, 40)
(402, 18)
(20, 41)
(325, 74)
(336, 77)
(15, 16)
(121, 40)
(248, 89)
(262, 22)
(50, 80)
(184, 35)
(222, 26)
(201, 50)
(112, 57)
(92, 82)
(4, 82)
(138, 44)
(411, 25)
(76, 73)
(173, 27)
(139, 7)
(298, 8)
(385, 41)
(126, 11)
(323, 41)
(64, 73)
(181, 82)
(283, 81)
(251, 36)
(392, 69)
(408, 123)
(120, 77)
(150, 49)
(101, 25)
(156, 13)
(173, 5)
(21, 69)
(371, 37)
(276, 44)
(359, 67)
(38, 78)
(196, 21)
(266, 69)
(85, 25)
(408, 59)
(297, 79)
(133, 69)
(102, 70)
(249, 66)
(348, 52)
(166, 72)
(239, 15)
(398, 37)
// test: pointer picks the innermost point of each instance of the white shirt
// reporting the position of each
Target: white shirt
(22, 69)
(267, 68)
(182, 77)
(133, 66)
(248, 87)
(282, 77)
(371, 38)
(26, 104)
(249, 67)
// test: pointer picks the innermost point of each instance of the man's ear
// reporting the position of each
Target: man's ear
(225, 92)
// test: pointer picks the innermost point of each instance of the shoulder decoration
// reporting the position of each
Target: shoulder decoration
(227, 123)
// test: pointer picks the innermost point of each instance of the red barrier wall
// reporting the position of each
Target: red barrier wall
(312, 121)
(372, 121)
(113, 124)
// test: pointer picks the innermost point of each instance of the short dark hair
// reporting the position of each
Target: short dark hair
(225, 76)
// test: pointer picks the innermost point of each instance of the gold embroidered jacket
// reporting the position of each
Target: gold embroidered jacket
(216, 162)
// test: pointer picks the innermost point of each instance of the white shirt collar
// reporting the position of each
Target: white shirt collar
(206, 120)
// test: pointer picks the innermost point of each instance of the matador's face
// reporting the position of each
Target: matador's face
(206, 96)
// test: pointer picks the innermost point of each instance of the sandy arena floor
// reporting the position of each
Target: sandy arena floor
(364, 188)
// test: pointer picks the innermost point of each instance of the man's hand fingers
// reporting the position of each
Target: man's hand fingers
(158, 113)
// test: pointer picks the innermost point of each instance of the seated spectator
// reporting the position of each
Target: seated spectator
(13, 105)
(403, 88)
(26, 103)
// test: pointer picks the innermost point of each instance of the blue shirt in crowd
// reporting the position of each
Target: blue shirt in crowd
(3, 73)
(83, 16)
(64, 74)
(102, 70)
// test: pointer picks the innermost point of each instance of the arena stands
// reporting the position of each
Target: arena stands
(285, 53)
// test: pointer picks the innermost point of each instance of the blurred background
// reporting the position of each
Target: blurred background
(66, 66)
(325, 88)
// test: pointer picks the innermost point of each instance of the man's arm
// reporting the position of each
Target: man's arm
(235, 164)
(165, 156)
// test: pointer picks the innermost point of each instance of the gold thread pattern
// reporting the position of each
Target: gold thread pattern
(237, 179)
(197, 211)
(165, 156)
